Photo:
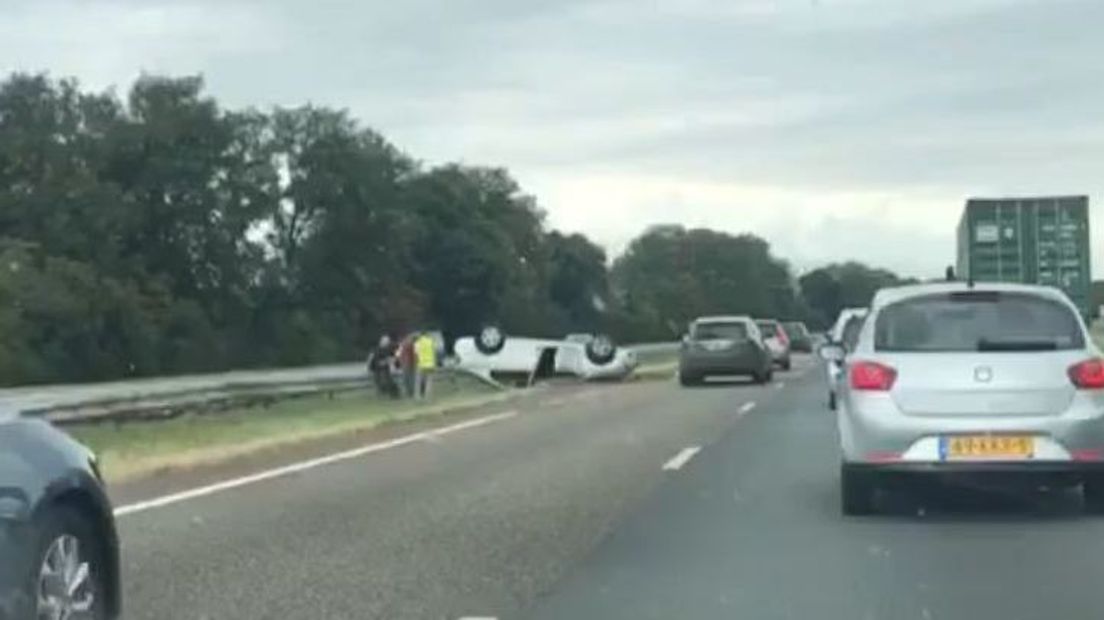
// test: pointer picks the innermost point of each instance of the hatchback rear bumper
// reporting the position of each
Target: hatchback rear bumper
(984, 474)
(983, 467)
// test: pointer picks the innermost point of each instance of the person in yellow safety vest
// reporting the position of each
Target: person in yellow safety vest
(425, 348)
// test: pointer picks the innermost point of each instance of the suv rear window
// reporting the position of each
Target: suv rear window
(977, 321)
(720, 331)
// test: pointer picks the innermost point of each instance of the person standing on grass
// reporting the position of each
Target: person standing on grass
(425, 349)
(408, 366)
(379, 364)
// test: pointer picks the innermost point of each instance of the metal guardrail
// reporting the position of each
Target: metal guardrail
(158, 398)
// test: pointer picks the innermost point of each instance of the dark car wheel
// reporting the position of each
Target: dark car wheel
(66, 580)
(687, 380)
(1093, 492)
(832, 401)
(856, 491)
(762, 377)
(786, 364)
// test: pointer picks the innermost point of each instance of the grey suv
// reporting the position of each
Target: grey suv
(988, 379)
(724, 345)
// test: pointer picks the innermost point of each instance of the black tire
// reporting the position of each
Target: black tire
(856, 491)
(786, 364)
(762, 377)
(1092, 490)
(689, 380)
(55, 524)
(490, 340)
(600, 350)
(832, 401)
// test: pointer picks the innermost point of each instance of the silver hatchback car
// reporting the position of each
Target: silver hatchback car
(955, 379)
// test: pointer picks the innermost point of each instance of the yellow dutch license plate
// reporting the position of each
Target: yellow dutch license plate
(987, 447)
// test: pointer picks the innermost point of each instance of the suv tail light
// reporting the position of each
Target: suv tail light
(1088, 375)
(872, 376)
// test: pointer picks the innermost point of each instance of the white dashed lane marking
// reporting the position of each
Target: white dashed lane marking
(682, 458)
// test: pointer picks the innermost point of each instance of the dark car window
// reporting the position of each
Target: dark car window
(981, 321)
(795, 330)
(720, 331)
(769, 328)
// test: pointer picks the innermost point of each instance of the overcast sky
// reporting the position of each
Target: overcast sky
(837, 129)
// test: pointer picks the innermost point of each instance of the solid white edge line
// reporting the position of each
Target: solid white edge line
(682, 458)
(747, 407)
(294, 468)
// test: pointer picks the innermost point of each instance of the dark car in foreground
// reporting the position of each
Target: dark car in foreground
(59, 552)
(800, 338)
(724, 345)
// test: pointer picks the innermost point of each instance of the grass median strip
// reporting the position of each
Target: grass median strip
(129, 450)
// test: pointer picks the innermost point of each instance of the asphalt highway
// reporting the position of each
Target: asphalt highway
(643, 500)
(477, 522)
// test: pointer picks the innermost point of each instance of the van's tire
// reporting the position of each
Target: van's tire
(600, 350)
(490, 340)
(856, 491)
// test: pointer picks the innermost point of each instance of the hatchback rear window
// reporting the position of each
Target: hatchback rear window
(720, 331)
(977, 321)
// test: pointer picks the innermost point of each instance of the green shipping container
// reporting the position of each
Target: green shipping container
(1029, 240)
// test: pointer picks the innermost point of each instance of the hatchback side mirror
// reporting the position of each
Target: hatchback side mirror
(832, 352)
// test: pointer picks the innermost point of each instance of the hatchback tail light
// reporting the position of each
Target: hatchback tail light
(872, 377)
(1088, 375)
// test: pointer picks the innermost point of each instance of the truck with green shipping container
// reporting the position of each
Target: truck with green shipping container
(1030, 240)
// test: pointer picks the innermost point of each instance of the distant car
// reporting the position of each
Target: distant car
(724, 345)
(776, 340)
(59, 553)
(844, 333)
(492, 353)
(991, 379)
(800, 338)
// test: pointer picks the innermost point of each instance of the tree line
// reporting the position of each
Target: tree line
(161, 232)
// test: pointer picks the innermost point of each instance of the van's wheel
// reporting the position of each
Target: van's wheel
(856, 491)
(490, 340)
(600, 350)
(66, 579)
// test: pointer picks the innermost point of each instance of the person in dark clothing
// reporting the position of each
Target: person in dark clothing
(408, 366)
(379, 365)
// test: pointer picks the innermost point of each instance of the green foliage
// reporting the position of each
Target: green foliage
(161, 233)
(832, 288)
(670, 275)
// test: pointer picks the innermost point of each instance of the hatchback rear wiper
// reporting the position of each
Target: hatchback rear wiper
(985, 344)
